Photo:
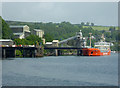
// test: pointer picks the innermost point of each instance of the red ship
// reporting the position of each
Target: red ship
(94, 52)
(101, 48)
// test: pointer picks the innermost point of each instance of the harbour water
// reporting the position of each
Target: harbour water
(61, 71)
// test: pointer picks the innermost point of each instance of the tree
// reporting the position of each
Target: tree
(112, 28)
(92, 24)
(48, 38)
(82, 23)
(30, 40)
(33, 39)
(6, 31)
(21, 42)
(87, 24)
(0, 27)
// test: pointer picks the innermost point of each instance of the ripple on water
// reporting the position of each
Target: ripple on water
(61, 71)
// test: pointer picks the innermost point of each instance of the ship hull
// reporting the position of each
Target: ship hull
(94, 52)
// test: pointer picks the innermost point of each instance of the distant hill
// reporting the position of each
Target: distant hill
(100, 28)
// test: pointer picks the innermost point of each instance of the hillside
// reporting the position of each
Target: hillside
(65, 30)
(100, 28)
(59, 31)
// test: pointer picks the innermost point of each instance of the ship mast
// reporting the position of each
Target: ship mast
(103, 38)
(90, 39)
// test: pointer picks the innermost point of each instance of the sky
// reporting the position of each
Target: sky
(100, 13)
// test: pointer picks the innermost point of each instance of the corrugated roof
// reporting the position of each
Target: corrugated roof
(5, 40)
(55, 41)
(37, 30)
(12, 26)
(17, 33)
(48, 43)
(17, 26)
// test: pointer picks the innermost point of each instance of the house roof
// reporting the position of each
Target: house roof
(55, 41)
(4, 40)
(18, 33)
(17, 26)
(48, 43)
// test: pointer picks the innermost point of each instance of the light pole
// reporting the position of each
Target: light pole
(90, 39)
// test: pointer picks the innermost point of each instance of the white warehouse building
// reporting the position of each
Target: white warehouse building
(20, 31)
(38, 32)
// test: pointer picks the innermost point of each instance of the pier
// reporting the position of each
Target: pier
(10, 52)
(56, 48)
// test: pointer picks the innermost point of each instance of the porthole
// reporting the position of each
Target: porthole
(92, 52)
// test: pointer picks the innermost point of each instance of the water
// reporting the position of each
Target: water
(61, 71)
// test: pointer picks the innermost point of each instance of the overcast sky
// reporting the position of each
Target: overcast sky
(101, 13)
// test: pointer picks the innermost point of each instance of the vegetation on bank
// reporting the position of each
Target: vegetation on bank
(6, 31)
(30, 40)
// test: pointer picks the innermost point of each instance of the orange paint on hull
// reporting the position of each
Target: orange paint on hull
(94, 52)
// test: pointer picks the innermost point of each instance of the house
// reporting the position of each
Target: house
(38, 32)
(20, 31)
(6, 42)
(48, 44)
(55, 43)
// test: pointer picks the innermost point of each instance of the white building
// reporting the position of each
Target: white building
(38, 32)
(54, 43)
(20, 31)
(6, 42)
(48, 44)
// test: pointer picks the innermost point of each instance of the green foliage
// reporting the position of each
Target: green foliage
(18, 53)
(115, 47)
(100, 28)
(30, 40)
(48, 38)
(21, 42)
(87, 24)
(82, 23)
(6, 31)
(92, 42)
(33, 39)
(92, 24)
(112, 28)
(0, 27)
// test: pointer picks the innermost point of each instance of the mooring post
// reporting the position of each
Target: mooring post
(33, 53)
(59, 52)
(78, 52)
(15, 52)
(23, 53)
(56, 52)
(4, 53)
(42, 51)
